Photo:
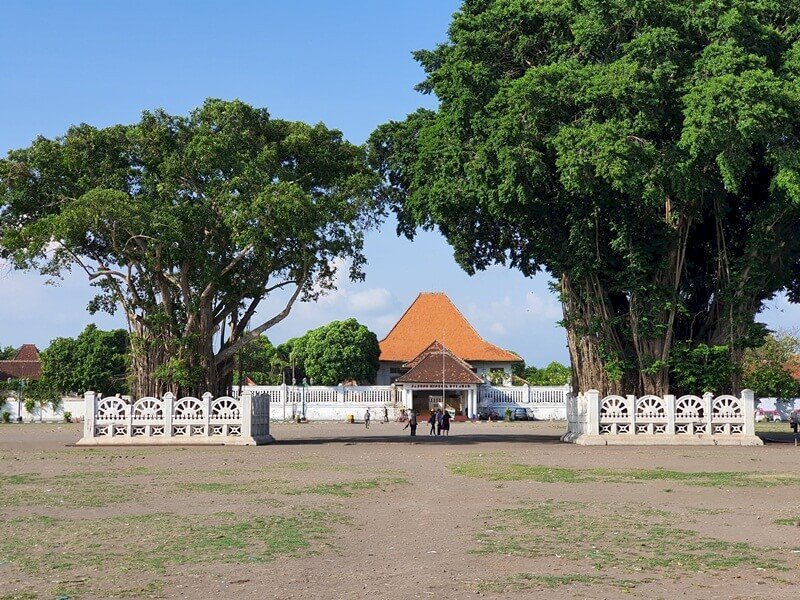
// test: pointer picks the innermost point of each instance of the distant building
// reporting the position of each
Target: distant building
(434, 351)
(25, 365)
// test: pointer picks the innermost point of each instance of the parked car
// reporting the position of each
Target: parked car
(486, 414)
(520, 414)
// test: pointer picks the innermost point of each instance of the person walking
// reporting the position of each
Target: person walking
(439, 421)
(385, 414)
(432, 423)
(794, 420)
(412, 422)
(445, 422)
(367, 417)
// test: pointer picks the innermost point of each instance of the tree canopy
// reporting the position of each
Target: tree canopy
(95, 360)
(336, 352)
(771, 370)
(187, 223)
(643, 153)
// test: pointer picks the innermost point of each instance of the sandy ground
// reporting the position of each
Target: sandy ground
(418, 540)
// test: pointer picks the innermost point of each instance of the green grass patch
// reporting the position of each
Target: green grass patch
(152, 543)
(791, 521)
(496, 471)
(522, 582)
(625, 540)
(350, 488)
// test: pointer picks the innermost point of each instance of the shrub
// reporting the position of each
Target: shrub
(67, 416)
(6, 416)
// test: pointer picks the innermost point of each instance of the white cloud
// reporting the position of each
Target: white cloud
(374, 299)
(498, 328)
(542, 307)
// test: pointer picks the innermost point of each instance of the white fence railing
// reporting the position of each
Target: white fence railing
(689, 419)
(171, 420)
(492, 395)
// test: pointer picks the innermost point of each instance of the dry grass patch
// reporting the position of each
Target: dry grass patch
(45, 547)
(350, 488)
(629, 540)
(494, 470)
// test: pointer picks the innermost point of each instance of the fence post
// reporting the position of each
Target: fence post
(247, 414)
(593, 405)
(669, 400)
(169, 398)
(749, 411)
(708, 398)
(632, 403)
(207, 398)
(340, 394)
(88, 414)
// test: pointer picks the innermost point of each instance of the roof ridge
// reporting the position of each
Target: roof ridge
(475, 331)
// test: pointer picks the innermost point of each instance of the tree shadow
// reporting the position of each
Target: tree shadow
(452, 440)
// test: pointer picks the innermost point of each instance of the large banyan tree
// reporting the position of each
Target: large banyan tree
(645, 153)
(187, 224)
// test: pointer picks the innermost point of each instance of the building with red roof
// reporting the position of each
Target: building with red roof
(25, 365)
(434, 351)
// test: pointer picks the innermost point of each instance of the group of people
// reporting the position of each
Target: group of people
(368, 416)
(439, 422)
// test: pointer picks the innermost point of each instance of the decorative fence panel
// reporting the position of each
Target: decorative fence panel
(170, 420)
(650, 419)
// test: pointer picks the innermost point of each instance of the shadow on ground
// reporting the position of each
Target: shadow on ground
(453, 440)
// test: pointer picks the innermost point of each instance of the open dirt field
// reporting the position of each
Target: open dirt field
(337, 511)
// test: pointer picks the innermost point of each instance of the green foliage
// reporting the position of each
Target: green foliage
(7, 352)
(6, 416)
(186, 223)
(67, 416)
(95, 360)
(259, 361)
(553, 374)
(339, 351)
(643, 153)
(770, 369)
(701, 368)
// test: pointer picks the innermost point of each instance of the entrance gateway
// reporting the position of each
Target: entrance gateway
(437, 372)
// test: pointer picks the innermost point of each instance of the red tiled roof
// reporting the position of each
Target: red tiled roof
(432, 315)
(436, 364)
(25, 365)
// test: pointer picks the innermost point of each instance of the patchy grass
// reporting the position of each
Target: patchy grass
(522, 582)
(46, 547)
(625, 540)
(81, 489)
(350, 488)
(791, 521)
(496, 471)
(231, 488)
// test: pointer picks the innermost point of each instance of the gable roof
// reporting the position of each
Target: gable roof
(25, 365)
(433, 315)
(436, 364)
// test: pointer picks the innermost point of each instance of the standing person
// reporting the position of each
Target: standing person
(385, 414)
(432, 423)
(367, 417)
(438, 421)
(794, 420)
(412, 421)
(445, 422)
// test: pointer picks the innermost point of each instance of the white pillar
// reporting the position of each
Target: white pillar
(207, 399)
(593, 408)
(473, 404)
(246, 414)
(88, 414)
(169, 397)
(632, 414)
(708, 400)
(749, 410)
(669, 400)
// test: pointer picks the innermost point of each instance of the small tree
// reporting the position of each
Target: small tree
(769, 369)
(95, 360)
(338, 351)
(40, 395)
(553, 374)
(7, 352)
(258, 361)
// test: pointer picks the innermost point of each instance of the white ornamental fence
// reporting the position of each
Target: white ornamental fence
(327, 403)
(171, 420)
(689, 419)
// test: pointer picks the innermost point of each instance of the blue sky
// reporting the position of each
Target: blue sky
(347, 64)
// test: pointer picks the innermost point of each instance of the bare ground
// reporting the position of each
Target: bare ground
(336, 511)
